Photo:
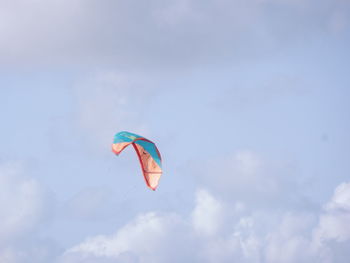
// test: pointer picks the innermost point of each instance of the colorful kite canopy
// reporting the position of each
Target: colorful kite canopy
(149, 156)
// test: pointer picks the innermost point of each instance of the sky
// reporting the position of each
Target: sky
(247, 101)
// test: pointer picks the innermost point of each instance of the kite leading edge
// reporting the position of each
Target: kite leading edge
(147, 152)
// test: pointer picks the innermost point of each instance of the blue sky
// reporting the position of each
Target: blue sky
(248, 102)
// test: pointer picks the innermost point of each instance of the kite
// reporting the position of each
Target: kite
(147, 152)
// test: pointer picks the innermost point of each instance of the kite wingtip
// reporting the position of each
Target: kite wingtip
(114, 151)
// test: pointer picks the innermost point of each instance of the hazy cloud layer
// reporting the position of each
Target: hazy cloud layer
(159, 33)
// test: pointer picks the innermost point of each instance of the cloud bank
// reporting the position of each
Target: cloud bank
(247, 237)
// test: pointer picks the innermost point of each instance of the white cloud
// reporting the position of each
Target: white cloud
(207, 216)
(334, 222)
(155, 237)
(22, 203)
(341, 199)
(25, 206)
(257, 237)
(291, 236)
(150, 237)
